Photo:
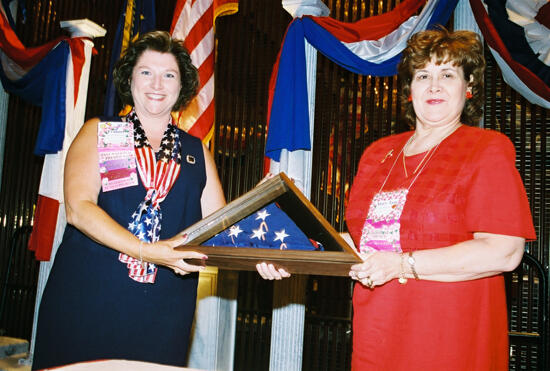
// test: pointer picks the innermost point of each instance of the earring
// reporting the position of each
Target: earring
(469, 95)
(410, 98)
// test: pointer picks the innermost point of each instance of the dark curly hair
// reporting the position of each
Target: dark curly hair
(162, 42)
(461, 48)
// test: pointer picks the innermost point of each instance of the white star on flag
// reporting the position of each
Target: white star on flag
(281, 235)
(148, 221)
(262, 214)
(258, 233)
(234, 231)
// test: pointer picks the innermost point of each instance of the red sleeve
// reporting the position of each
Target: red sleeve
(497, 201)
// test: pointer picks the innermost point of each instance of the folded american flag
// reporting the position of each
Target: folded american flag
(268, 228)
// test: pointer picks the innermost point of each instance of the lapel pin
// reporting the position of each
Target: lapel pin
(388, 155)
(190, 159)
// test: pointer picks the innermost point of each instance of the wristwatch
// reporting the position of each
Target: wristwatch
(412, 262)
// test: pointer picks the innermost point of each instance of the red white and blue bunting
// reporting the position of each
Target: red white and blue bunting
(517, 34)
(38, 75)
(371, 46)
(534, 17)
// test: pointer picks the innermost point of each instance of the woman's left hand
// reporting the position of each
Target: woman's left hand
(377, 268)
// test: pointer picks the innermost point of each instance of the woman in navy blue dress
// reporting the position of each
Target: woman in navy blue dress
(118, 289)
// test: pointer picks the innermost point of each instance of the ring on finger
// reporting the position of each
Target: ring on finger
(369, 282)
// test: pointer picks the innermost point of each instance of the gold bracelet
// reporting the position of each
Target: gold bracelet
(402, 279)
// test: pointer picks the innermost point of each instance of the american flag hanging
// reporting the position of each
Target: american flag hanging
(158, 172)
(193, 23)
(269, 228)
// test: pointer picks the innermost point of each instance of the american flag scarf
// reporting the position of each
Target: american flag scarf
(158, 172)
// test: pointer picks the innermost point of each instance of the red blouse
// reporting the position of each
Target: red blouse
(470, 185)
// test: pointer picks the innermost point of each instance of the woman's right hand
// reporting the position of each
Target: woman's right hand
(269, 272)
(163, 253)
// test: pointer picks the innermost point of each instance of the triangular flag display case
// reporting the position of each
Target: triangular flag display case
(335, 259)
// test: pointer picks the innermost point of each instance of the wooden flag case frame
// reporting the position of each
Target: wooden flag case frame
(335, 260)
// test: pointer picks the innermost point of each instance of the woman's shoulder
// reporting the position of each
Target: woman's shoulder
(89, 127)
(484, 134)
(481, 144)
(482, 138)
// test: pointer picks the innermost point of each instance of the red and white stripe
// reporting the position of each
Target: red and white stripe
(193, 23)
(138, 270)
(146, 164)
(163, 174)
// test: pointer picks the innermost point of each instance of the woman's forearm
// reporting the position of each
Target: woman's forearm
(485, 255)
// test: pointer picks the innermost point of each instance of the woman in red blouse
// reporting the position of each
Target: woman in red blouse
(438, 214)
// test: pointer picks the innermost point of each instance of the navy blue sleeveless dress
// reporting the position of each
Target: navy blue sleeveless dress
(92, 310)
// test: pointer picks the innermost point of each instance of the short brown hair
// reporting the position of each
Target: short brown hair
(461, 48)
(162, 42)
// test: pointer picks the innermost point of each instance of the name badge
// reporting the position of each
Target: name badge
(117, 159)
